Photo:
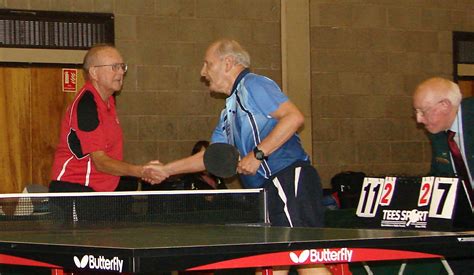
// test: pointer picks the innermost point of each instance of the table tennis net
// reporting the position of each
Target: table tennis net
(189, 207)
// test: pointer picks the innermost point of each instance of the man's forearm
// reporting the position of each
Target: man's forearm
(108, 165)
(192, 164)
(283, 131)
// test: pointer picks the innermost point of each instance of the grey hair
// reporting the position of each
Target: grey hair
(91, 56)
(444, 89)
(454, 93)
(226, 47)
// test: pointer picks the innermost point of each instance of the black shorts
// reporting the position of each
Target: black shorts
(294, 197)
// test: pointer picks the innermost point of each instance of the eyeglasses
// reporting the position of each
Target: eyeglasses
(425, 111)
(115, 67)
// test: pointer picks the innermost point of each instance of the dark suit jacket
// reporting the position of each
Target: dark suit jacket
(441, 162)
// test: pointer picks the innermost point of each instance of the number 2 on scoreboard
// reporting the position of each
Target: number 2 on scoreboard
(370, 197)
(388, 190)
(426, 188)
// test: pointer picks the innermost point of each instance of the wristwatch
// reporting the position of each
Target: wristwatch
(259, 154)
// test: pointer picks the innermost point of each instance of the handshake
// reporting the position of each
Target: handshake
(154, 172)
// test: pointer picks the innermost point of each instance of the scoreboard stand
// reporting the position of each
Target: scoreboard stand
(428, 203)
(416, 203)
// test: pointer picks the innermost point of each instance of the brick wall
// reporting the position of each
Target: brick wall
(366, 59)
(164, 108)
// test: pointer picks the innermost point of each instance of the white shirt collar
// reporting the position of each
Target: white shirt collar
(456, 126)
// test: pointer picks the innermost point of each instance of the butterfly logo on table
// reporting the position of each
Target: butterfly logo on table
(81, 263)
(301, 258)
(99, 262)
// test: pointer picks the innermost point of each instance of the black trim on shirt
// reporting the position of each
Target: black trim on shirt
(255, 133)
(239, 77)
(87, 114)
(75, 144)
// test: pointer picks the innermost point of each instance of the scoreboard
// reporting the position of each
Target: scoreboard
(425, 203)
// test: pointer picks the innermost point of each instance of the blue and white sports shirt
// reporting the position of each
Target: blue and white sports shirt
(246, 121)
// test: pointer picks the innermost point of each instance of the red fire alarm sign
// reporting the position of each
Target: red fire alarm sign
(69, 80)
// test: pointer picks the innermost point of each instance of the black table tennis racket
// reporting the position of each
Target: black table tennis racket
(221, 159)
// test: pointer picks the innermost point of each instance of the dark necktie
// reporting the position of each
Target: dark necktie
(459, 163)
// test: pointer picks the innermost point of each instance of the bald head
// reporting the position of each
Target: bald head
(228, 47)
(438, 88)
(92, 56)
(224, 60)
(436, 101)
(105, 69)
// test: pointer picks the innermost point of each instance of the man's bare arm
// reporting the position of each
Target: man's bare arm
(290, 119)
(191, 164)
(105, 164)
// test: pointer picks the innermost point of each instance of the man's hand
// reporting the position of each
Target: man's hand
(248, 165)
(154, 172)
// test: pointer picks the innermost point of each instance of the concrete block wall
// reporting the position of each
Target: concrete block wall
(164, 108)
(366, 59)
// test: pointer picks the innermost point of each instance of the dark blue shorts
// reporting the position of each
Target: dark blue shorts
(294, 197)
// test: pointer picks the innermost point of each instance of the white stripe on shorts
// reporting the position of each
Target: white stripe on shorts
(282, 195)
(297, 180)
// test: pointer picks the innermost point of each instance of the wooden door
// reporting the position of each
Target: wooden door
(32, 105)
(48, 105)
(467, 87)
(15, 135)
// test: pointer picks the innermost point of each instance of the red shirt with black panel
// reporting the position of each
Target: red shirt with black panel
(90, 125)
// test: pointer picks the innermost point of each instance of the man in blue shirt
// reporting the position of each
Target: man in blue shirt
(262, 123)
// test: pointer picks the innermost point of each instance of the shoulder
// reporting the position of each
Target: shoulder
(87, 114)
(258, 84)
(468, 102)
(252, 79)
(437, 139)
(87, 99)
(467, 106)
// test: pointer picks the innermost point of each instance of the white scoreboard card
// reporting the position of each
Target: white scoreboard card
(426, 188)
(370, 197)
(388, 190)
(443, 198)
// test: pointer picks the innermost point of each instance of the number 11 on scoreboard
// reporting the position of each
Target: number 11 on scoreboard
(370, 197)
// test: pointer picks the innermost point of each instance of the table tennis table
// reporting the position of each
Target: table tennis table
(150, 246)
